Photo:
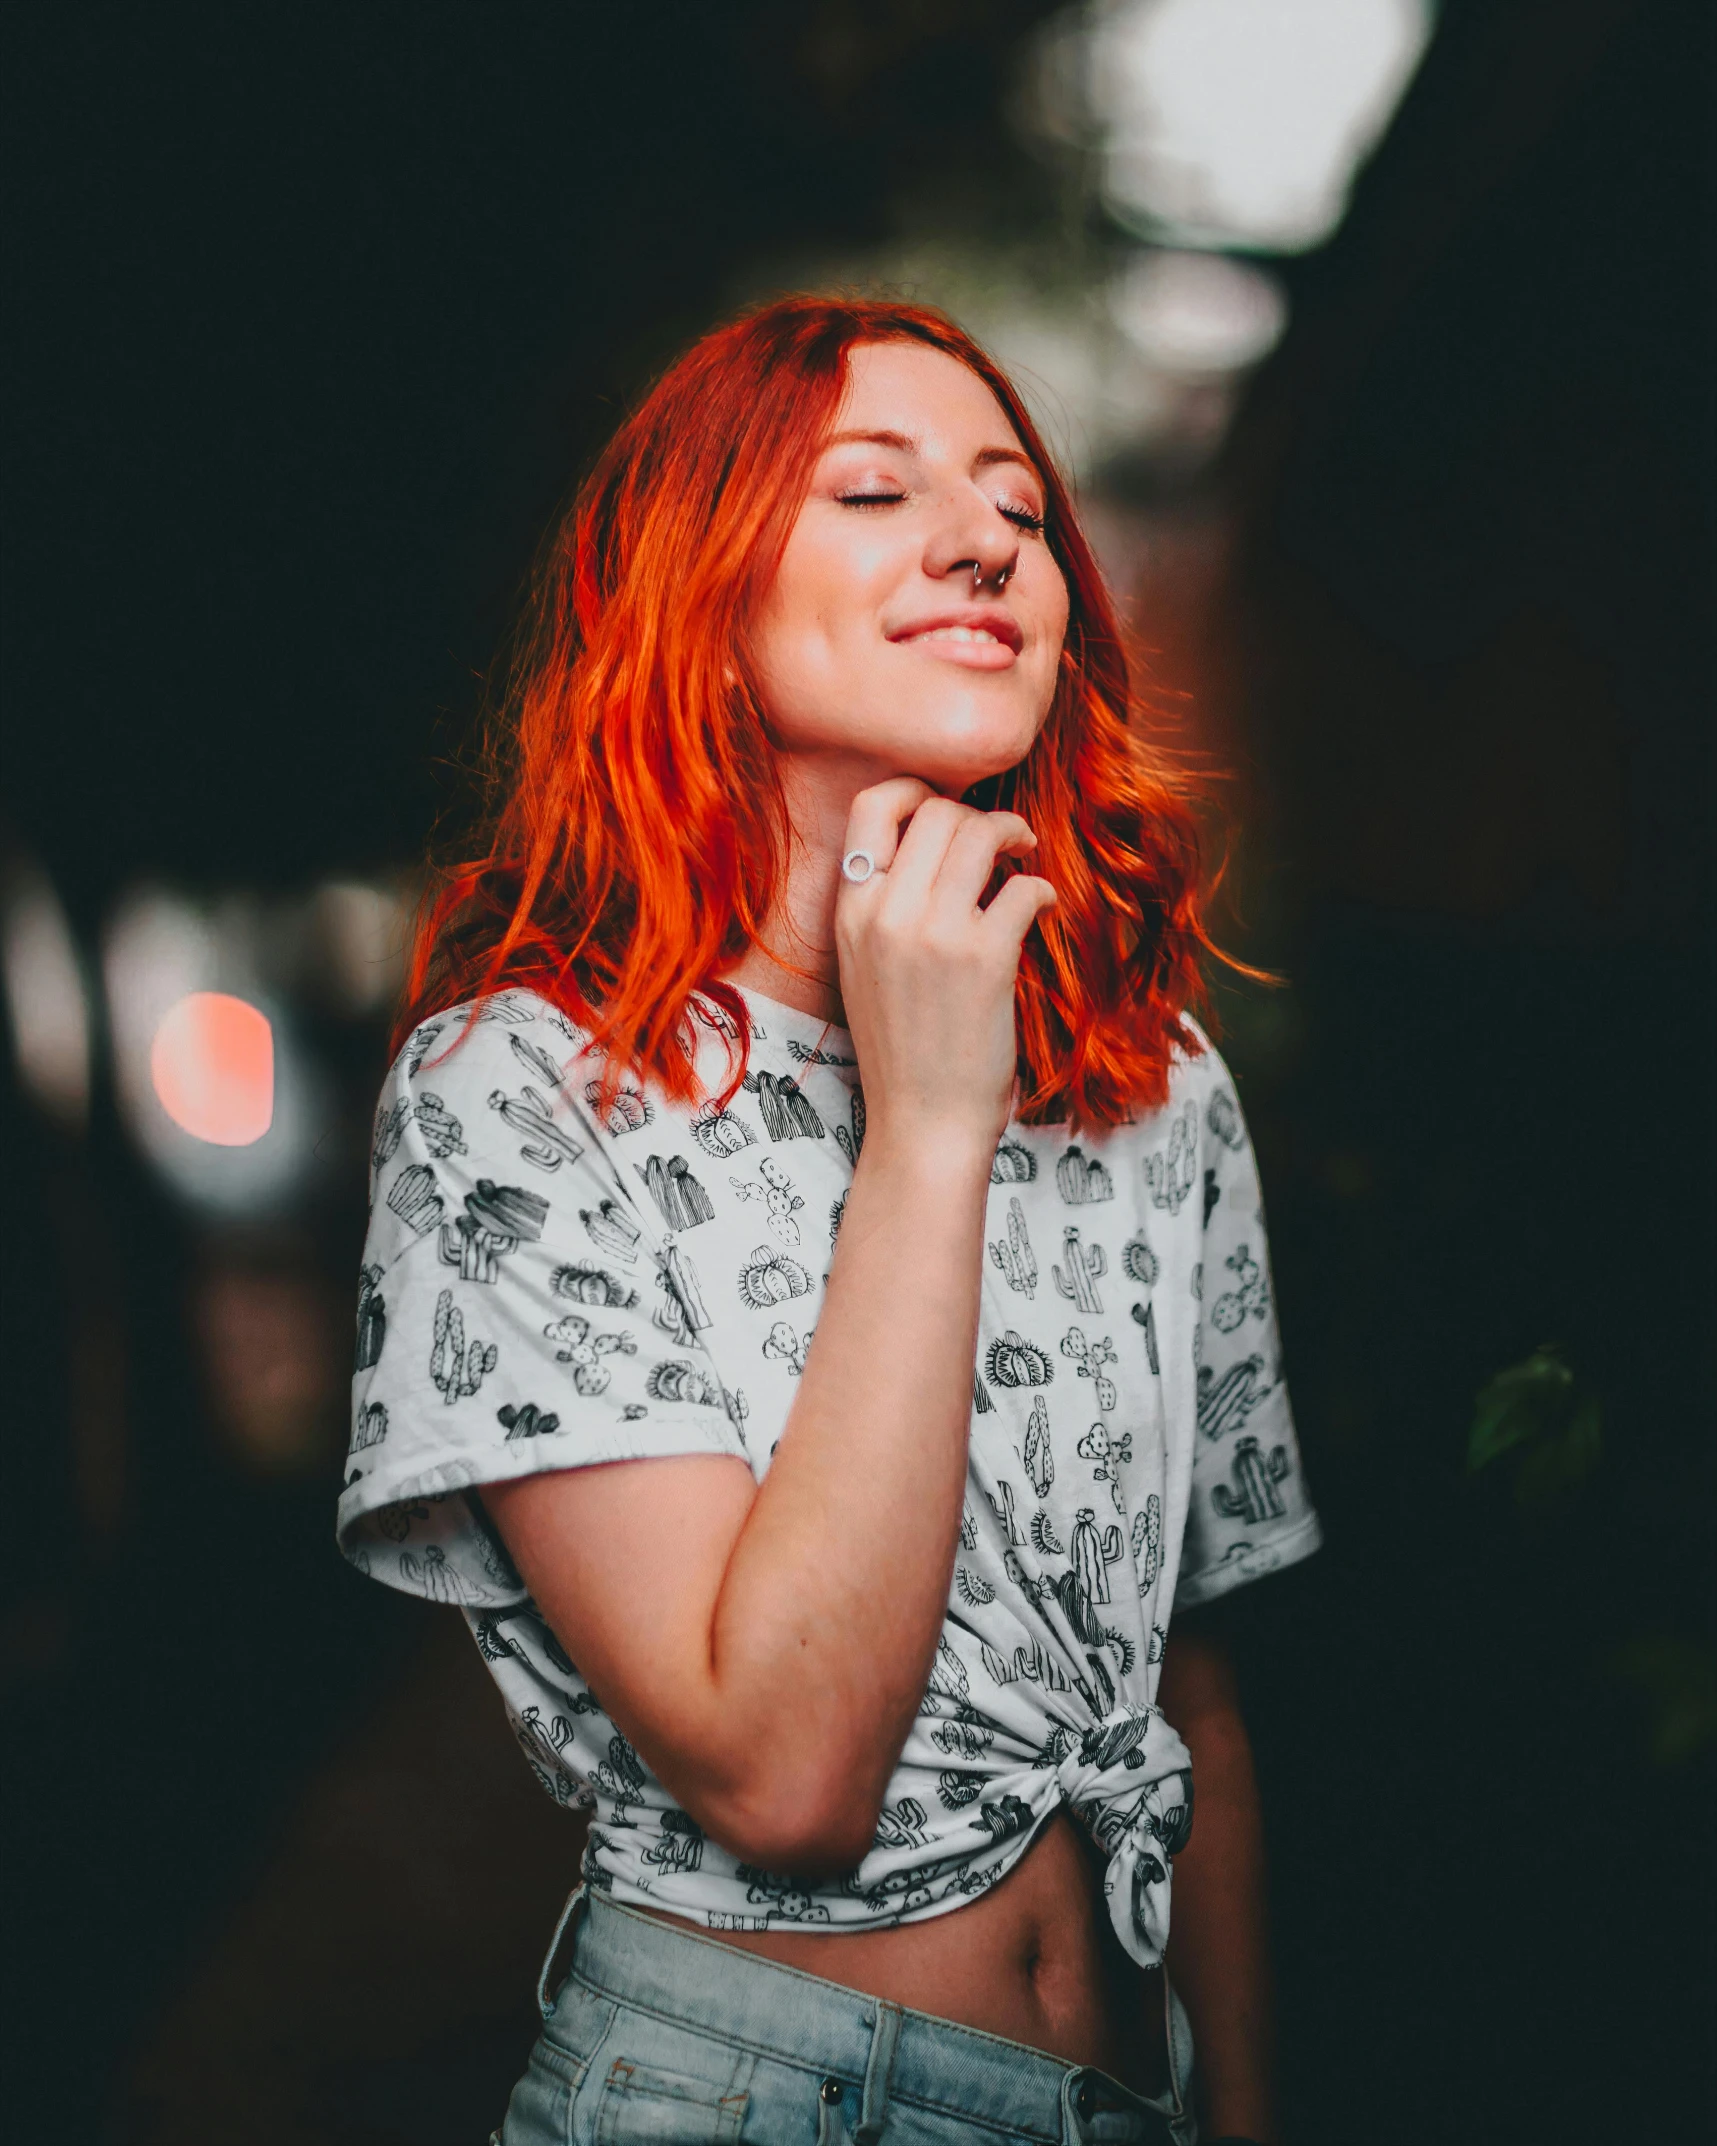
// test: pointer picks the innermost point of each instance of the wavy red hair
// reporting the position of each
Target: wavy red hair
(637, 835)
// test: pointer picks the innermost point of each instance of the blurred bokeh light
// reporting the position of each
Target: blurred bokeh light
(212, 1068)
(45, 996)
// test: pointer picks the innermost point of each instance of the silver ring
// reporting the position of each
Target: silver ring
(858, 865)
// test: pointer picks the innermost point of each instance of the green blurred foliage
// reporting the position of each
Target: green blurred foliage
(1675, 1681)
(1539, 1413)
(1538, 1422)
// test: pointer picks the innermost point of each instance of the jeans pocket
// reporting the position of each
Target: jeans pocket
(644, 2105)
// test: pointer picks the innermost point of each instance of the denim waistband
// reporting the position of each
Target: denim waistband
(894, 2053)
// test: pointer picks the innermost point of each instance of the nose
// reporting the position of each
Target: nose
(973, 537)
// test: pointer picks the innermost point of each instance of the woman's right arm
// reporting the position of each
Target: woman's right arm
(766, 1646)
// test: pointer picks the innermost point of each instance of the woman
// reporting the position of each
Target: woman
(817, 1286)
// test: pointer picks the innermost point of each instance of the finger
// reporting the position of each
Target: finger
(970, 858)
(1017, 907)
(875, 819)
(923, 846)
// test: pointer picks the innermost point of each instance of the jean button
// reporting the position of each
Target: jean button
(1085, 2100)
(830, 2090)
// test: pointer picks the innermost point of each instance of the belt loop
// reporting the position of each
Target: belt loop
(545, 2003)
(878, 2075)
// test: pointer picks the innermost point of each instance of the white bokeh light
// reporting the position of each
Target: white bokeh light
(1242, 122)
(1198, 314)
(45, 997)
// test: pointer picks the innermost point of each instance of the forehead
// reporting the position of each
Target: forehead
(924, 393)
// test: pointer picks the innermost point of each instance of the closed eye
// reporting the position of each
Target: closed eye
(870, 499)
(1021, 517)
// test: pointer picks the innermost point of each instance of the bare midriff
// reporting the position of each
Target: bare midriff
(1034, 1959)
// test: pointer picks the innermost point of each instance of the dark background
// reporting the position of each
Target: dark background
(313, 318)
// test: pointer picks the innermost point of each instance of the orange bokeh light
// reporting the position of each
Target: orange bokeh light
(212, 1063)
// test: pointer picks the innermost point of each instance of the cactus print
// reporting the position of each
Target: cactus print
(774, 1188)
(629, 1112)
(577, 1346)
(585, 1284)
(415, 1200)
(1014, 1164)
(443, 1135)
(496, 1221)
(1086, 1267)
(1171, 1173)
(457, 1367)
(1039, 1454)
(372, 1319)
(1013, 1254)
(391, 1121)
(1146, 1316)
(721, 1133)
(849, 1138)
(1225, 1402)
(771, 1277)
(370, 1426)
(1110, 1450)
(1014, 1361)
(1090, 1357)
(527, 1420)
(1079, 1180)
(1222, 1115)
(1249, 1299)
(1253, 1496)
(787, 1112)
(540, 1291)
(683, 1202)
(546, 1144)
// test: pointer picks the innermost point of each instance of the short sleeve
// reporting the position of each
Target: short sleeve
(518, 1310)
(1249, 1513)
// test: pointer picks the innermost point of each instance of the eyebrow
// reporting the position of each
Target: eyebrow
(985, 458)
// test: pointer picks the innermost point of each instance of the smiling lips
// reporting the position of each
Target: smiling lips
(976, 634)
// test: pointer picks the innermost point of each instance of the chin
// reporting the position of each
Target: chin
(954, 764)
(957, 773)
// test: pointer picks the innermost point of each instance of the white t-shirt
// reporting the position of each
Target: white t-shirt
(545, 1289)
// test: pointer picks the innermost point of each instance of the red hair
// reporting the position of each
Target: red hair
(637, 837)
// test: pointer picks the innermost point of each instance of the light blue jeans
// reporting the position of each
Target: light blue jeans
(664, 2036)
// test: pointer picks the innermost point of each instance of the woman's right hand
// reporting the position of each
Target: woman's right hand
(927, 977)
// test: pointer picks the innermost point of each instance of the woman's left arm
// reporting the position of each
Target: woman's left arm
(1218, 1953)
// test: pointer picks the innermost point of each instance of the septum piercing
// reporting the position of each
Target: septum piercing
(1004, 574)
(857, 866)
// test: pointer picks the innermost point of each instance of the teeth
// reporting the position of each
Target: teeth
(956, 633)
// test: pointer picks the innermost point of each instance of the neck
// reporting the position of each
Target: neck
(795, 961)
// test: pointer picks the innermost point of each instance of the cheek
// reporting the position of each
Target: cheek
(834, 578)
(1054, 615)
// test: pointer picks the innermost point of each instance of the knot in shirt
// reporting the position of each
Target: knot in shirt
(1128, 1779)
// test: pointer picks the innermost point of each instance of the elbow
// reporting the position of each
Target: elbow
(798, 1826)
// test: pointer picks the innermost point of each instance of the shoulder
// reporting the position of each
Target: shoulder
(1201, 1105)
(516, 1054)
(511, 1031)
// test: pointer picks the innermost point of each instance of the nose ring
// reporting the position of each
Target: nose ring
(1003, 575)
(858, 865)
